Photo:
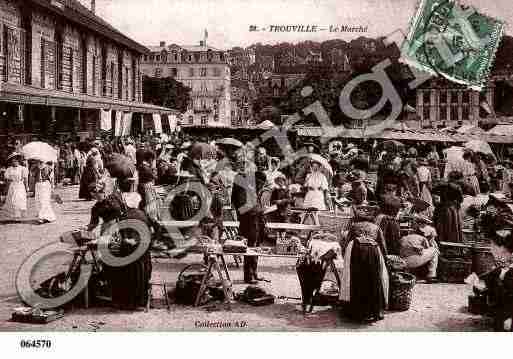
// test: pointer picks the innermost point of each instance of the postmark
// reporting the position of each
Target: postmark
(452, 40)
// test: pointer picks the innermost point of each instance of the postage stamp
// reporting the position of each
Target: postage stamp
(452, 40)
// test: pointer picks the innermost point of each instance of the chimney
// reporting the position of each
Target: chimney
(162, 44)
(93, 6)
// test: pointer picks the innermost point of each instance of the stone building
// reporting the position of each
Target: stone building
(205, 70)
(441, 103)
(278, 85)
(65, 72)
(243, 95)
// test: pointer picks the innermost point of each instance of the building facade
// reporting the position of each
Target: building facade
(242, 97)
(61, 66)
(441, 103)
(205, 70)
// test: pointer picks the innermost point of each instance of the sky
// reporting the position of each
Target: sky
(227, 21)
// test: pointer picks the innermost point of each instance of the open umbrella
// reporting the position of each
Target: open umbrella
(229, 142)
(41, 151)
(321, 160)
(479, 146)
(266, 125)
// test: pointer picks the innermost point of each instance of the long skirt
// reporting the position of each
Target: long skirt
(131, 284)
(44, 201)
(448, 224)
(365, 281)
(16, 200)
(315, 199)
(392, 233)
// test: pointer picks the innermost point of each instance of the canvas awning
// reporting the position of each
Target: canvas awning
(16, 93)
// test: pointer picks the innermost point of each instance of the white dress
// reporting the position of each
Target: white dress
(316, 183)
(16, 200)
(44, 200)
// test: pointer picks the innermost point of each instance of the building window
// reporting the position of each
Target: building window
(216, 118)
(443, 97)
(204, 120)
(203, 72)
(465, 97)
(426, 114)
(191, 120)
(191, 72)
(454, 97)
(158, 72)
(145, 57)
(175, 56)
(454, 113)
(426, 97)
(158, 57)
(173, 71)
(465, 113)
(217, 72)
(443, 113)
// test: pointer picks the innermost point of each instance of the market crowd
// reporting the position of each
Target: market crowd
(381, 186)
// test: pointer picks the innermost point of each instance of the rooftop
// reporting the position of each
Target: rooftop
(188, 48)
(78, 13)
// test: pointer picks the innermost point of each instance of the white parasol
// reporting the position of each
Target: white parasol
(39, 151)
(321, 160)
(479, 146)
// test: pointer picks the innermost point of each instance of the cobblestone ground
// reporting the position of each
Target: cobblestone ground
(435, 307)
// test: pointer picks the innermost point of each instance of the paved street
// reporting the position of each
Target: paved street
(440, 307)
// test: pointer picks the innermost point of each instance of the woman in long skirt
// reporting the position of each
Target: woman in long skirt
(130, 283)
(17, 177)
(447, 216)
(365, 278)
(44, 185)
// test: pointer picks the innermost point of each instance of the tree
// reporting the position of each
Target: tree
(166, 92)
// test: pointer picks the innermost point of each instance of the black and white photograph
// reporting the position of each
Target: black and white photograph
(255, 166)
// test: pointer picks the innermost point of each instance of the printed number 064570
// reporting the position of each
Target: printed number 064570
(36, 344)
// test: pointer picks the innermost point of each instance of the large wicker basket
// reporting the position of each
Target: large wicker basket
(401, 291)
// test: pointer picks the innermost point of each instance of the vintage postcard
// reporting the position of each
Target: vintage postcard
(255, 165)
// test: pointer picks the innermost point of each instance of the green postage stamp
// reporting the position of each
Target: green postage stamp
(455, 41)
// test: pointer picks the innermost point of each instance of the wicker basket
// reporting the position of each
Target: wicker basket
(401, 291)
(454, 270)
